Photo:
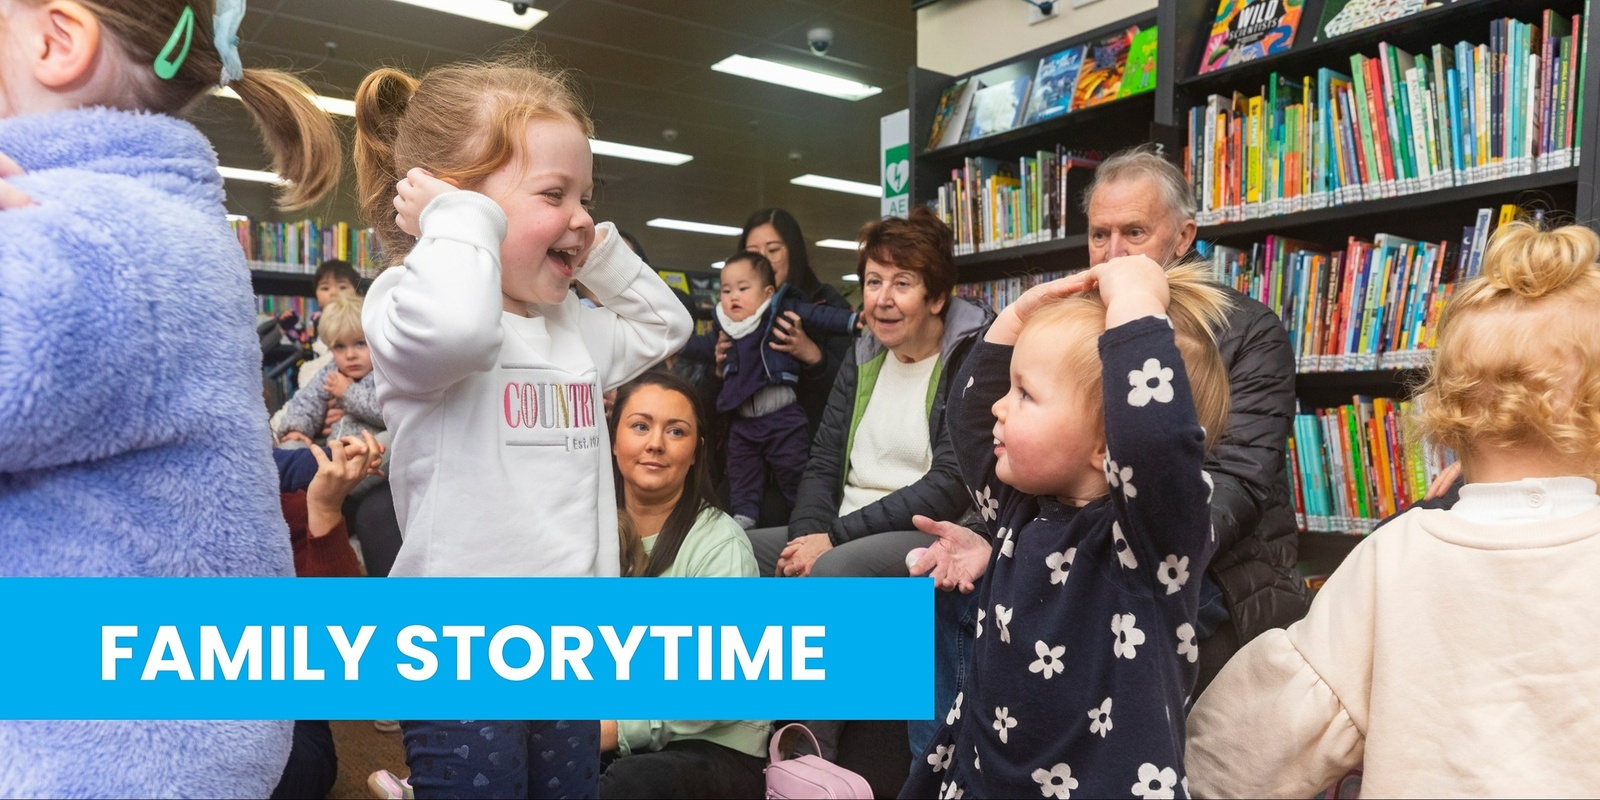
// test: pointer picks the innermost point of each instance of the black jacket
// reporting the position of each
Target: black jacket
(816, 380)
(939, 494)
(1251, 509)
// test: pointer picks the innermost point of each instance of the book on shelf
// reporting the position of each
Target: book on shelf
(991, 204)
(1054, 84)
(998, 108)
(1399, 123)
(302, 246)
(1139, 76)
(1340, 17)
(1245, 30)
(1352, 466)
(1100, 79)
(274, 305)
(950, 116)
(997, 294)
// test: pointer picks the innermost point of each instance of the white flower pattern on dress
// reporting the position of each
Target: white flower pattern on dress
(1002, 618)
(1142, 392)
(1122, 477)
(988, 504)
(1004, 722)
(940, 757)
(955, 710)
(1155, 783)
(950, 791)
(1008, 542)
(1056, 781)
(1186, 644)
(1173, 573)
(1060, 564)
(1120, 544)
(1049, 660)
(978, 634)
(1128, 637)
(1100, 719)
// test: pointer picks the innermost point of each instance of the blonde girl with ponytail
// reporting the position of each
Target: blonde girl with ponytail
(478, 178)
(1452, 652)
(120, 406)
(1081, 424)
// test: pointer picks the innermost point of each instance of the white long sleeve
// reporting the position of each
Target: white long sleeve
(501, 459)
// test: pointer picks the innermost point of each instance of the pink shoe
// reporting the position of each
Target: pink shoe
(385, 785)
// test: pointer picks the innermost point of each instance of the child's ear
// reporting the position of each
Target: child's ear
(1097, 459)
(771, 290)
(68, 46)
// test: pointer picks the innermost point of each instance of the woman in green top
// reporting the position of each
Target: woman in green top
(670, 528)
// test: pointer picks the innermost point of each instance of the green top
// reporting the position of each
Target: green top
(716, 547)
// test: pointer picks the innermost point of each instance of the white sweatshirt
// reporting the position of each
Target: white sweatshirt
(501, 462)
(1455, 657)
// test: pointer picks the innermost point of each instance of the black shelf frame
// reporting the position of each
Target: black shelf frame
(283, 283)
(1286, 223)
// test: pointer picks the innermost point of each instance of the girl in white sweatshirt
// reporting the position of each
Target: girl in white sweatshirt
(1454, 651)
(490, 372)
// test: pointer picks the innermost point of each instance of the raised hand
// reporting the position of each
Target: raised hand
(957, 560)
(413, 193)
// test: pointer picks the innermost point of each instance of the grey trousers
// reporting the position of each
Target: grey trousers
(881, 555)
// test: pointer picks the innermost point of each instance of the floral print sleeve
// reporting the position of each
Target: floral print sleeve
(1160, 492)
(984, 378)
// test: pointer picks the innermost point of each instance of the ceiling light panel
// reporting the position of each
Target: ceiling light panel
(252, 175)
(331, 105)
(839, 185)
(795, 77)
(837, 244)
(694, 227)
(652, 155)
(498, 12)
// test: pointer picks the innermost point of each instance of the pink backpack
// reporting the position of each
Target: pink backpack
(810, 777)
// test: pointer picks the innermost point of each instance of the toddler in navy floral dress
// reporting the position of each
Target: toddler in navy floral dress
(1081, 429)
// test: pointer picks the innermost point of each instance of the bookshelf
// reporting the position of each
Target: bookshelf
(1431, 212)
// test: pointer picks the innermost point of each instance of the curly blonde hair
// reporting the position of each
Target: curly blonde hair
(1518, 355)
(1198, 308)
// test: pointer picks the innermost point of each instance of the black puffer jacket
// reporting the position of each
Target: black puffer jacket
(939, 494)
(1251, 506)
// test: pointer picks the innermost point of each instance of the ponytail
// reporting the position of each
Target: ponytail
(305, 146)
(380, 103)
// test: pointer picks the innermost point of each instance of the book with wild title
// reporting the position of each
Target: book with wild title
(1245, 30)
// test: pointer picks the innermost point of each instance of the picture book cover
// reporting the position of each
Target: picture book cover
(1054, 85)
(996, 109)
(1101, 76)
(1340, 17)
(1245, 30)
(950, 115)
(1140, 75)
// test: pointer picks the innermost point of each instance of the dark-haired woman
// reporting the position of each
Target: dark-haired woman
(670, 528)
(774, 233)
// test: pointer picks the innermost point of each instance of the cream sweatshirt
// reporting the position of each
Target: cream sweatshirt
(1454, 654)
(501, 461)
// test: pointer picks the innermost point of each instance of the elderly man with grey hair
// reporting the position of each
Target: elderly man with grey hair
(1140, 204)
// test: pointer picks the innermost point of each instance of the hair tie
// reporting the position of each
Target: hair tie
(225, 33)
(168, 62)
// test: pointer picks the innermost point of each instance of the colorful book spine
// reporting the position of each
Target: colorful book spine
(1353, 467)
(302, 246)
(1400, 123)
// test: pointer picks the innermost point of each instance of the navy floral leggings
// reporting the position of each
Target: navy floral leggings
(503, 759)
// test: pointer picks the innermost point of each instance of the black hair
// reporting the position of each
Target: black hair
(339, 270)
(633, 244)
(697, 490)
(757, 262)
(800, 275)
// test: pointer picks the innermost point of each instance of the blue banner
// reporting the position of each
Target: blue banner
(467, 648)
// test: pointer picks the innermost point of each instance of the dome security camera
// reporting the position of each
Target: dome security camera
(520, 8)
(820, 40)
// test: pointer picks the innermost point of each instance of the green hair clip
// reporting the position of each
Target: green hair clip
(167, 64)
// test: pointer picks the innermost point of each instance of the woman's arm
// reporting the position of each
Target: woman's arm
(640, 321)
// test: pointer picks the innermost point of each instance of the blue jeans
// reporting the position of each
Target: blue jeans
(955, 625)
(503, 759)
